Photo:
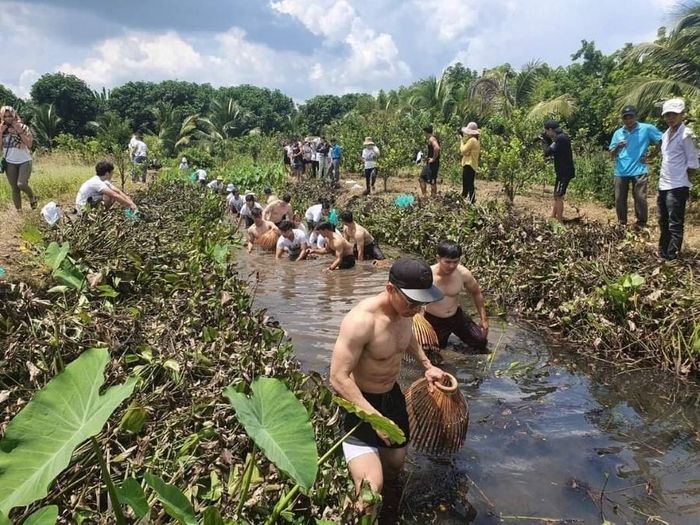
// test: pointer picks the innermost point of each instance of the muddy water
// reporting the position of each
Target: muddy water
(548, 430)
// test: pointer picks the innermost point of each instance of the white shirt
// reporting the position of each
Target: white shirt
(678, 153)
(246, 210)
(301, 226)
(370, 154)
(184, 166)
(141, 148)
(316, 240)
(314, 213)
(91, 188)
(215, 185)
(14, 155)
(132, 144)
(201, 174)
(235, 203)
(293, 245)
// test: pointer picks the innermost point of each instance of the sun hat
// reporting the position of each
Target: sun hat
(184, 159)
(219, 178)
(230, 188)
(415, 279)
(674, 105)
(368, 141)
(471, 129)
(629, 110)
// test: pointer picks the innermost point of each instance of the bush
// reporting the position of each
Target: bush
(197, 157)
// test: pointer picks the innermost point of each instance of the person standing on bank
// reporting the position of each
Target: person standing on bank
(16, 141)
(679, 162)
(336, 159)
(557, 144)
(469, 148)
(370, 155)
(628, 146)
(429, 174)
(140, 166)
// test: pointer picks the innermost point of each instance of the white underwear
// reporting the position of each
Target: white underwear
(353, 448)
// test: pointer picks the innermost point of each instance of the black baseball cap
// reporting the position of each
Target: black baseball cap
(415, 279)
(629, 110)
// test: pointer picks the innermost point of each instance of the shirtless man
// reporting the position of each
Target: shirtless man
(335, 242)
(365, 246)
(293, 242)
(271, 197)
(278, 210)
(365, 366)
(446, 316)
(259, 228)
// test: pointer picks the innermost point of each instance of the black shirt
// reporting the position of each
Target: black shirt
(560, 149)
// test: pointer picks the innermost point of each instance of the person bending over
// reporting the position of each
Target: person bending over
(259, 228)
(278, 210)
(100, 190)
(446, 316)
(365, 246)
(292, 241)
(344, 258)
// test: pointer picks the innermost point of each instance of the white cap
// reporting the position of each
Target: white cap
(230, 188)
(674, 105)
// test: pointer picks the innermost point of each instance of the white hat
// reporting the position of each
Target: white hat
(184, 159)
(230, 188)
(471, 129)
(674, 105)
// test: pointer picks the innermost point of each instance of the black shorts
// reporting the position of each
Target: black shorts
(248, 221)
(391, 404)
(286, 160)
(371, 252)
(560, 185)
(430, 172)
(347, 262)
(459, 324)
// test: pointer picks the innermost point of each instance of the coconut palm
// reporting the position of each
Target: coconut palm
(227, 118)
(433, 96)
(45, 121)
(675, 60)
(168, 122)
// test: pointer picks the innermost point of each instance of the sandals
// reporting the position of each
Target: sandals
(34, 203)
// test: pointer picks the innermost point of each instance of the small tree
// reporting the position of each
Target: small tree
(113, 134)
(45, 124)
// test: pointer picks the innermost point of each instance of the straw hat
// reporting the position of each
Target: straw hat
(219, 178)
(471, 129)
(368, 141)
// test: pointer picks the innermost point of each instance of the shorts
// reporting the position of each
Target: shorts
(560, 185)
(372, 252)
(294, 252)
(286, 160)
(347, 262)
(95, 199)
(248, 221)
(391, 404)
(459, 324)
(429, 172)
(298, 166)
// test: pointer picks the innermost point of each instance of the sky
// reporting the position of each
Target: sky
(304, 47)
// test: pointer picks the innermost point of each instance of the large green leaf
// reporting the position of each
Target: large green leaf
(55, 254)
(4, 520)
(40, 440)
(44, 516)
(130, 493)
(174, 501)
(380, 423)
(70, 276)
(278, 423)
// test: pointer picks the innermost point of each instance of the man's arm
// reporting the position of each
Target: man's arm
(432, 373)
(691, 154)
(338, 258)
(355, 333)
(251, 240)
(119, 197)
(304, 251)
(266, 212)
(474, 289)
(436, 150)
(360, 241)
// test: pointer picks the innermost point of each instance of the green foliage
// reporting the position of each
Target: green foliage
(45, 124)
(249, 176)
(40, 440)
(130, 493)
(379, 423)
(267, 108)
(197, 158)
(44, 516)
(8, 98)
(621, 291)
(72, 99)
(278, 423)
(173, 500)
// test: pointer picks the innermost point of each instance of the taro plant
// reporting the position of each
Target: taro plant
(278, 423)
(63, 268)
(40, 439)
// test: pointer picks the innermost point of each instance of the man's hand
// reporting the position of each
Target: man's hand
(434, 375)
(485, 327)
(644, 159)
(621, 144)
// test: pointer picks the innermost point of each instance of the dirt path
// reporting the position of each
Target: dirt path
(538, 201)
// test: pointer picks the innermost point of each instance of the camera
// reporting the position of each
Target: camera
(460, 132)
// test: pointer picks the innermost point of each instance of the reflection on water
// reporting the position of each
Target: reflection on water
(546, 426)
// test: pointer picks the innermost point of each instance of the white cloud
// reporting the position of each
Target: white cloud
(449, 19)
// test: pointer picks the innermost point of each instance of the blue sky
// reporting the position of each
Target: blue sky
(304, 47)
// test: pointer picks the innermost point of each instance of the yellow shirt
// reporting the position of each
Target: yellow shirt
(470, 152)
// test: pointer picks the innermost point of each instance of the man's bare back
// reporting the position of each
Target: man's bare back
(339, 244)
(255, 231)
(357, 234)
(276, 211)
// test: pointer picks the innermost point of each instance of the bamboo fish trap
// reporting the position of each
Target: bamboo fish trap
(268, 240)
(438, 421)
(424, 332)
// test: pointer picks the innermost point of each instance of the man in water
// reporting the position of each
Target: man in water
(245, 213)
(259, 228)
(429, 174)
(293, 242)
(269, 196)
(234, 200)
(365, 366)
(365, 245)
(344, 257)
(315, 213)
(446, 316)
(278, 210)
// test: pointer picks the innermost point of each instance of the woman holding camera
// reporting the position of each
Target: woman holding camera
(469, 148)
(17, 162)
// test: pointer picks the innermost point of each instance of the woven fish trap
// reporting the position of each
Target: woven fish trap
(424, 332)
(268, 240)
(438, 420)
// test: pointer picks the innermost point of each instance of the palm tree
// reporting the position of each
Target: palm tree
(45, 123)
(168, 123)
(432, 96)
(675, 61)
(227, 118)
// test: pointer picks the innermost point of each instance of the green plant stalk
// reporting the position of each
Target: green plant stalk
(111, 489)
(245, 485)
(284, 501)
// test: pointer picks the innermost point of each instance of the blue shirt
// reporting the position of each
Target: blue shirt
(629, 158)
(336, 152)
